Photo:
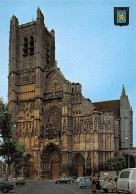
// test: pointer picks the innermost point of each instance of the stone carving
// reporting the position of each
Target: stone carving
(51, 153)
(78, 160)
(53, 124)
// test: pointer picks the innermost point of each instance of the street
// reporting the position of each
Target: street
(33, 187)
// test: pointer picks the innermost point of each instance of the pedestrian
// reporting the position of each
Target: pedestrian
(93, 184)
(98, 183)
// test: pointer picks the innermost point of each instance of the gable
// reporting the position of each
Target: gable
(55, 83)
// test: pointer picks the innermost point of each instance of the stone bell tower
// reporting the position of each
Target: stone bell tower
(126, 121)
(31, 57)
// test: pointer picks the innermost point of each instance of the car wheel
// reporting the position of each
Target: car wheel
(109, 190)
(5, 190)
(81, 187)
(105, 190)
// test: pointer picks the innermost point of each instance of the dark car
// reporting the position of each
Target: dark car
(12, 180)
(62, 180)
(5, 186)
(20, 181)
(71, 179)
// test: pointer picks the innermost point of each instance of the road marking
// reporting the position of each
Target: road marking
(69, 189)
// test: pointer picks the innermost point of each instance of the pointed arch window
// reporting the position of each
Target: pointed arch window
(25, 47)
(31, 46)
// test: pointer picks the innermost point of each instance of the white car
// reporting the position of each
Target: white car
(127, 181)
(110, 184)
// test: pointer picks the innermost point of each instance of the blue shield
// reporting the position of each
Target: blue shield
(121, 16)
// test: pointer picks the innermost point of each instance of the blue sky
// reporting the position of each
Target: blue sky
(90, 49)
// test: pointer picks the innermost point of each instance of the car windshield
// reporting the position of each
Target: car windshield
(87, 179)
(61, 178)
(3, 181)
(82, 179)
(124, 174)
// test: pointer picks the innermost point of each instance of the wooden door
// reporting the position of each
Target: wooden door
(80, 171)
(55, 170)
(31, 171)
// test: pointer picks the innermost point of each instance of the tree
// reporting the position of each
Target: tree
(7, 149)
(6, 122)
(131, 159)
(117, 163)
(12, 151)
(18, 157)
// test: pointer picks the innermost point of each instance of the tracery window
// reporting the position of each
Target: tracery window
(53, 124)
(31, 46)
(25, 47)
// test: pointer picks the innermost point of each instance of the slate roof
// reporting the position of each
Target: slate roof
(108, 106)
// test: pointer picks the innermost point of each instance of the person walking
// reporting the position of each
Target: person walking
(98, 183)
(93, 184)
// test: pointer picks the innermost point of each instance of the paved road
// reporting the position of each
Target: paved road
(33, 187)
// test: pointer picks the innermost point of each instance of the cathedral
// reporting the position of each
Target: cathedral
(64, 133)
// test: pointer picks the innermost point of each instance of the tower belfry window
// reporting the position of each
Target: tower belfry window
(31, 46)
(25, 47)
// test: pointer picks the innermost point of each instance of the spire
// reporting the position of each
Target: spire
(14, 21)
(123, 91)
(40, 16)
(124, 98)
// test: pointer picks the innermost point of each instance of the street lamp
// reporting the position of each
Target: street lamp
(128, 155)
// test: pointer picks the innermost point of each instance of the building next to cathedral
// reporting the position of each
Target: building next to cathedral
(63, 132)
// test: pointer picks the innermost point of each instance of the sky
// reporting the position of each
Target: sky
(90, 49)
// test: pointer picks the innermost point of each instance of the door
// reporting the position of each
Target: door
(80, 171)
(31, 171)
(55, 170)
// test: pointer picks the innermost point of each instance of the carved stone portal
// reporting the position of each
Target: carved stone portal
(50, 154)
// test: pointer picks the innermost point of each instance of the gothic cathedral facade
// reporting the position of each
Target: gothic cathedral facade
(63, 132)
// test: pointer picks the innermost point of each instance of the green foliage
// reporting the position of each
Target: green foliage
(117, 163)
(7, 149)
(6, 122)
(132, 159)
(13, 154)
(18, 157)
(12, 151)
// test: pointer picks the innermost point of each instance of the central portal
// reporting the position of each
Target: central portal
(50, 161)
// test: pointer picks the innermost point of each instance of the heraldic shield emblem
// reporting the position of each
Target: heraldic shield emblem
(121, 16)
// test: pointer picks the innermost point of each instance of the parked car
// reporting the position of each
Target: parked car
(127, 181)
(62, 180)
(103, 180)
(78, 179)
(12, 180)
(5, 186)
(110, 184)
(85, 182)
(71, 179)
(20, 181)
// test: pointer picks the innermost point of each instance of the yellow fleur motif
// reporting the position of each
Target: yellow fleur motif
(121, 16)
